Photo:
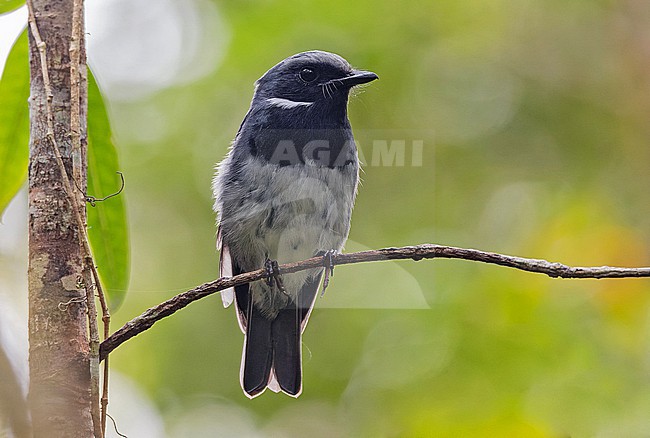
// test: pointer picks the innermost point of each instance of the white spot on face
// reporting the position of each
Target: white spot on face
(286, 103)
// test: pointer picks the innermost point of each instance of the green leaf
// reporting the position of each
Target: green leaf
(14, 122)
(107, 227)
(7, 6)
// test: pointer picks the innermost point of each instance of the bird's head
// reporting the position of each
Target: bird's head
(309, 78)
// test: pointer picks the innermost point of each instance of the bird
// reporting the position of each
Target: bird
(284, 193)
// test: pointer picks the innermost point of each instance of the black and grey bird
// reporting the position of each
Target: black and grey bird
(285, 193)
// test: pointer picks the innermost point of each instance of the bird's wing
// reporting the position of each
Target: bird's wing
(307, 298)
(225, 270)
(242, 297)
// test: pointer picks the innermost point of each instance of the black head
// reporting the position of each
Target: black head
(302, 102)
(311, 77)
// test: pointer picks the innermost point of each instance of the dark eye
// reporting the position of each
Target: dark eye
(308, 75)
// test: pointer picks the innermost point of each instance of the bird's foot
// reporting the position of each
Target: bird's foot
(328, 263)
(273, 275)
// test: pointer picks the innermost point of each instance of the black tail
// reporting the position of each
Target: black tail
(272, 344)
(275, 344)
(286, 350)
(258, 353)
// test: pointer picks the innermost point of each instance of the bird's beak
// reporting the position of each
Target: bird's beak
(358, 77)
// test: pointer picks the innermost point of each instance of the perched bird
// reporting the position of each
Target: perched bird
(285, 193)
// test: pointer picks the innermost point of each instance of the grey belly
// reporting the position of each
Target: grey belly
(289, 220)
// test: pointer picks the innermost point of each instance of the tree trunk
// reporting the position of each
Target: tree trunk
(59, 394)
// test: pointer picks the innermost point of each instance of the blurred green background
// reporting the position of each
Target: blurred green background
(534, 116)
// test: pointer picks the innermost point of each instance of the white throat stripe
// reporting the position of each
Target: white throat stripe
(286, 103)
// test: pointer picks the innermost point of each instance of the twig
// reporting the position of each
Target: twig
(93, 200)
(106, 321)
(77, 63)
(89, 285)
(115, 427)
(75, 89)
(91, 277)
(426, 251)
(64, 306)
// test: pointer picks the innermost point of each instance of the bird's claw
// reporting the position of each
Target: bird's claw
(270, 266)
(273, 275)
(328, 263)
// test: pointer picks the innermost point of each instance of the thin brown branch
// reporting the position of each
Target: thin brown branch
(89, 285)
(91, 280)
(75, 87)
(106, 320)
(426, 251)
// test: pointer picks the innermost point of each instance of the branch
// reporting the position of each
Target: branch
(426, 251)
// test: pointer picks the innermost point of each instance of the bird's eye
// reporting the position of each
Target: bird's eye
(308, 75)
